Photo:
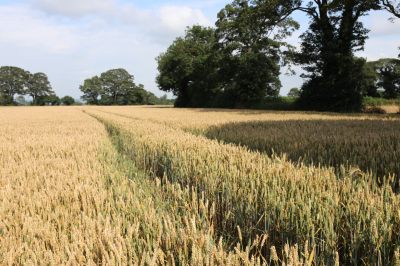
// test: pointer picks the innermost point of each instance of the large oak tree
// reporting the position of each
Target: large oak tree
(37, 86)
(335, 76)
(13, 81)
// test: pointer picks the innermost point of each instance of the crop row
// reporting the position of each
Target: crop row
(68, 197)
(351, 218)
(371, 145)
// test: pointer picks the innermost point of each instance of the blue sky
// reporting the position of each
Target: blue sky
(71, 40)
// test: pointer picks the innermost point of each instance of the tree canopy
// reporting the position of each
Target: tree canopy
(238, 63)
(67, 100)
(235, 65)
(38, 85)
(250, 36)
(12, 81)
(17, 81)
(115, 87)
(188, 68)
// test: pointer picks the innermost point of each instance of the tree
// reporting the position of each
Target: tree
(38, 85)
(20, 100)
(12, 81)
(51, 99)
(117, 86)
(67, 100)
(163, 100)
(385, 74)
(370, 81)
(188, 68)
(250, 35)
(92, 90)
(392, 7)
(389, 80)
(141, 96)
(294, 92)
(335, 75)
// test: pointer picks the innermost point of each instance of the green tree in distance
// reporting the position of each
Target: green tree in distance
(117, 84)
(51, 99)
(294, 92)
(384, 74)
(115, 87)
(92, 90)
(38, 85)
(389, 79)
(13, 81)
(67, 100)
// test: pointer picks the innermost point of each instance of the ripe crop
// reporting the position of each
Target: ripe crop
(348, 217)
(371, 145)
(145, 186)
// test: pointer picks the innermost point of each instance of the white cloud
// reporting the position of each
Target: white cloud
(75, 7)
(380, 25)
(161, 24)
(20, 26)
(177, 17)
(71, 41)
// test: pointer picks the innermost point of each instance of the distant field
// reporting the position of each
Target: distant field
(163, 186)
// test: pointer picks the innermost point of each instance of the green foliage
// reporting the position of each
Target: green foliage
(20, 100)
(294, 92)
(115, 87)
(386, 75)
(38, 85)
(335, 75)
(67, 100)
(12, 81)
(16, 81)
(118, 87)
(163, 100)
(337, 79)
(390, 80)
(369, 83)
(250, 37)
(238, 65)
(235, 65)
(51, 99)
(92, 90)
(188, 68)
(333, 92)
(374, 101)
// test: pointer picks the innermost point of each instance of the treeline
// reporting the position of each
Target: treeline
(238, 63)
(117, 87)
(113, 87)
(16, 83)
(383, 78)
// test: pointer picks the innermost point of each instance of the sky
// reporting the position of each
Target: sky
(71, 40)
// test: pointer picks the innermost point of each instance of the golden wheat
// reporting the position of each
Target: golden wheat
(349, 219)
(68, 197)
(199, 120)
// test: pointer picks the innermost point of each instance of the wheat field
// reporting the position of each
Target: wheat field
(148, 186)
